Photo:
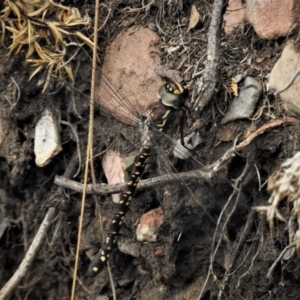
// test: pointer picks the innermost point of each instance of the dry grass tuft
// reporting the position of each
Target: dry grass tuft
(286, 185)
(43, 28)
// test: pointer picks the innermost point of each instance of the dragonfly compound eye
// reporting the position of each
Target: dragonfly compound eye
(172, 94)
(175, 88)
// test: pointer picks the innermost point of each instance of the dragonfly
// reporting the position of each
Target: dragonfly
(160, 115)
(158, 119)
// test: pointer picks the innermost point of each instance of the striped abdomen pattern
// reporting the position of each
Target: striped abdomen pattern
(101, 257)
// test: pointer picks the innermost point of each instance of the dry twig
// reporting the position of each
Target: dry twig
(205, 173)
(236, 252)
(279, 258)
(209, 80)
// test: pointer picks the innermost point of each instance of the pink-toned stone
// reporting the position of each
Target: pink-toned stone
(159, 251)
(281, 74)
(112, 165)
(234, 15)
(149, 224)
(270, 19)
(129, 65)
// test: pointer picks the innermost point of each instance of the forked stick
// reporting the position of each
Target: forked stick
(205, 173)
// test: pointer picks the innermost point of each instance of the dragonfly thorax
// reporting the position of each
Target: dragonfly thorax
(163, 114)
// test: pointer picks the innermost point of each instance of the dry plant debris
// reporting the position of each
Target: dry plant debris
(43, 27)
(286, 186)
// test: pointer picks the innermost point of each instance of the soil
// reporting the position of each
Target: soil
(177, 265)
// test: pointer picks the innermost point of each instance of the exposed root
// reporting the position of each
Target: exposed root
(218, 237)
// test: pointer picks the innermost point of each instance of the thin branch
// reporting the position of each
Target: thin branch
(236, 253)
(259, 248)
(205, 173)
(209, 79)
(279, 258)
(104, 189)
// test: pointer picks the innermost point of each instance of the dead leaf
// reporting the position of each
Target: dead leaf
(234, 87)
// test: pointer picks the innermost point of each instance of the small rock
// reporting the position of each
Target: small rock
(243, 105)
(234, 15)
(270, 19)
(125, 281)
(129, 66)
(159, 251)
(113, 169)
(47, 140)
(128, 247)
(191, 141)
(281, 74)
(195, 18)
(151, 26)
(149, 224)
(114, 166)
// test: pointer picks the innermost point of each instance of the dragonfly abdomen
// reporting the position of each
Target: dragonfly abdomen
(102, 256)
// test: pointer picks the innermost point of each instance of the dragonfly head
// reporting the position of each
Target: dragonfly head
(172, 94)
